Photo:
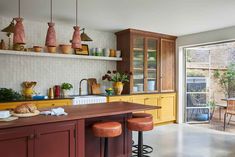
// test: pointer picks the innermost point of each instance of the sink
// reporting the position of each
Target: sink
(88, 99)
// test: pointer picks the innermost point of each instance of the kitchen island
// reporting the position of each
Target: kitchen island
(71, 135)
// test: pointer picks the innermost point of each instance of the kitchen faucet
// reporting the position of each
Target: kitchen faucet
(80, 86)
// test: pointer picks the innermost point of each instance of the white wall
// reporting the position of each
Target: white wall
(214, 36)
(51, 71)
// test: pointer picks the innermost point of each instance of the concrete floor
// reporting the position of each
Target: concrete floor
(189, 141)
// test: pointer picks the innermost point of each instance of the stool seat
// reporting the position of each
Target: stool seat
(107, 129)
(142, 115)
(140, 124)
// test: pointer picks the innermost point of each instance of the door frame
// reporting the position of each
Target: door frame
(181, 78)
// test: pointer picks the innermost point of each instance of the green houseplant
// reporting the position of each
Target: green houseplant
(9, 95)
(66, 87)
(226, 80)
(118, 79)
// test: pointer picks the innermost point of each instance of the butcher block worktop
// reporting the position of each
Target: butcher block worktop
(76, 112)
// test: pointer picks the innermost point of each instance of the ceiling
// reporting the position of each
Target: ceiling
(175, 17)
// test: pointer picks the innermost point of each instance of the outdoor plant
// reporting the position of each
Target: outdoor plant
(117, 76)
(9, 94)
(66, 86)
(226, 80)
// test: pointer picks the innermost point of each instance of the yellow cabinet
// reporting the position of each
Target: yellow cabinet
(167, 102)
(39, 104)
(119, 98)
(167, 113)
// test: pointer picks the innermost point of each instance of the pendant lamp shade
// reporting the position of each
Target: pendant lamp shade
(10, 28)
(76, 41)
(51, 35)
(19, 34)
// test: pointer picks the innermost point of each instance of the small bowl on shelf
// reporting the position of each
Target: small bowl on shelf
(51, 49)
(37, 48)
(109, 91)
(66, 49)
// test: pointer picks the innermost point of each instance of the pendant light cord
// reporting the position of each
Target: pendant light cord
(51, 10)
(19, 8)
(76, 12)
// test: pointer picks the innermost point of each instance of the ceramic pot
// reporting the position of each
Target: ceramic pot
(28, 92)
(112, 53)
(65, 92)
(106, 52)
(118, 53)
(37, 49)
(118, 88)
(51, 49)
(66, 49)
(19, 47)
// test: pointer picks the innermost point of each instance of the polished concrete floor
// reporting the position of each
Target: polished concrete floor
(189, 141)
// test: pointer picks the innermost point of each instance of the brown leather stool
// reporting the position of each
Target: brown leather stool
(106, 130)
(146, 148)
(140, 125)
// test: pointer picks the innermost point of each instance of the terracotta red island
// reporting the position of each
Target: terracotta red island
(68, 136)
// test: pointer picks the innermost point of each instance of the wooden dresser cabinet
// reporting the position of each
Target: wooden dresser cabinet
(150, 57)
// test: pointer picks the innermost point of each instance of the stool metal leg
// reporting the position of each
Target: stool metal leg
(106, 147)
(140, 144)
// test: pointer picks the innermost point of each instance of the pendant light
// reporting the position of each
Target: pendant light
(19, 34)
(76, 40)
(9, 30)
(51, 34)
(84, 36)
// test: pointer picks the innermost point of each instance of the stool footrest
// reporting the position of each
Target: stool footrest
(146, 149)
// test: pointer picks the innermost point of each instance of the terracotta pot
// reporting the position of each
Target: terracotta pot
(66, 49)
(118, 88)
(37, 48)
(51, 49)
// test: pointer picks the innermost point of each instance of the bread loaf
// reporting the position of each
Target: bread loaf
(25, 108)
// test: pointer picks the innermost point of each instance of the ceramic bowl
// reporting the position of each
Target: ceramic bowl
(51, 49)
(37, 48)
(66, 49)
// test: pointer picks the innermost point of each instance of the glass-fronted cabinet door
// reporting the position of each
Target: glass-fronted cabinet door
(138, 64)
(152, 52)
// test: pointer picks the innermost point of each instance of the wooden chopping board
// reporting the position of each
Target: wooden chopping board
(96, 89)
(90, 82)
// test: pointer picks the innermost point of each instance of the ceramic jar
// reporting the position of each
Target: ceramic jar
(118, 53)
(66, 49)
(51, 49)
(37, 48)
(106, 52)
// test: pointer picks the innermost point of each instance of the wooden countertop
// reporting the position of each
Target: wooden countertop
(81, 112)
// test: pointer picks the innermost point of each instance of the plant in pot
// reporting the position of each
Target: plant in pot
(9, 95)
(118, 79)
(66, 87)
(226, 80)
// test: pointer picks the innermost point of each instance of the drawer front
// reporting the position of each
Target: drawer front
(53, 103)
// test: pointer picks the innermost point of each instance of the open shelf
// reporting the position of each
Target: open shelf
(57, 55)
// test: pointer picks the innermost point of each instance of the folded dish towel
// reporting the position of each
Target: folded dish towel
(55, 112)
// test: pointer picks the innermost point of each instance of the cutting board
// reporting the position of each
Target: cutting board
(90, 82)
(96, 89)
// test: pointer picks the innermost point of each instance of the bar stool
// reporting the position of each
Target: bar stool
(107, 130)
(140, 125)
(146, 148)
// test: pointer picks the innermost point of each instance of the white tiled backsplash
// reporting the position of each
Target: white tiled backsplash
(51, 71)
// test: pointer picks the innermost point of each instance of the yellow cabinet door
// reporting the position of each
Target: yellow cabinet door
(167, 112)
(119, 98)
(153, 101)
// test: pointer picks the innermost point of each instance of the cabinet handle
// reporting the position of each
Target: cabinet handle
(31, 136)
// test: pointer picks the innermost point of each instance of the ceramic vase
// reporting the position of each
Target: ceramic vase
(118, 88)
(76, 41)
(19, 34)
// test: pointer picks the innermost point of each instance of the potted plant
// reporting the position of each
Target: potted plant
(9, 95)
(66, 88)
(118, 79)
(226, 80)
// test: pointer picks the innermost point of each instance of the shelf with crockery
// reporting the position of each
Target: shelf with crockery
(58, 55)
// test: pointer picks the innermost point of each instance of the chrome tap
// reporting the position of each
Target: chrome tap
(80, 86)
